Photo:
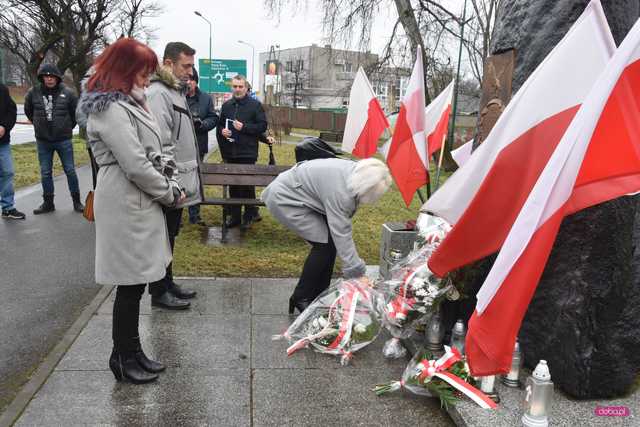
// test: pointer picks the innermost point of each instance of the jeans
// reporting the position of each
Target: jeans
(6, 178)
(317, 271)
(45, 157)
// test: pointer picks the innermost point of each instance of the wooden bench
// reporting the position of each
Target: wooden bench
(226, 174)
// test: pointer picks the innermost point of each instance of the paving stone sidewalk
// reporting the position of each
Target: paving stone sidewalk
(224, 370)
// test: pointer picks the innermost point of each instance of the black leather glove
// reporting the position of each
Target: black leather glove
(197, 123)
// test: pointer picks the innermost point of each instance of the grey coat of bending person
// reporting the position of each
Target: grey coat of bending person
(303, 196)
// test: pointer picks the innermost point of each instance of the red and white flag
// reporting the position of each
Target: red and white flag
(436, 121)
(598, 159)
(483, 198)
(407, 153)
(365, 119)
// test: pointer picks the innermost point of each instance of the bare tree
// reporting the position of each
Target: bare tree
(425, 23)
(295, 79)
(131, 18)
(71, 32)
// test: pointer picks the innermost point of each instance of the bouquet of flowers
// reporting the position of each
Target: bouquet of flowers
(413, 291)
(445, 378)
(407, 302)
(431, 230)
(340, 321)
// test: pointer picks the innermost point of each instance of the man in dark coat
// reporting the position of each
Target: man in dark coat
(242, 121)
(204, 120)
(51, 107)
(7, 121)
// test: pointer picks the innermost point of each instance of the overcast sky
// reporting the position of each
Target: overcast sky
(245, 20)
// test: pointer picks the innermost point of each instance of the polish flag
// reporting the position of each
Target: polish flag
(597, 159)
(463, 153)
(483, 198)
(437, 119)
(365, 119)
(407, 154)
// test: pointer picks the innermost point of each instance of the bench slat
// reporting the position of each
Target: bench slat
(236, 169)
(257, 180)
(235, 202)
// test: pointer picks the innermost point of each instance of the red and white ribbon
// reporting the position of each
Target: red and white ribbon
(350, 294)
(427, 369)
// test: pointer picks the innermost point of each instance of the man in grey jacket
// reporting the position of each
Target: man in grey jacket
(168, 103)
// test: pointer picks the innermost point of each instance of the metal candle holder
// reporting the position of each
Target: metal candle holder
(434, 335)
(512, 379)
(488, 387)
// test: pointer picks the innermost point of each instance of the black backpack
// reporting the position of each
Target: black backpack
(311, 148)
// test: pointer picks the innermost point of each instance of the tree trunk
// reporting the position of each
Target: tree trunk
(410, 25)
(585, 316)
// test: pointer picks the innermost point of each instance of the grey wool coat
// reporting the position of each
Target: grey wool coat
(132, 243)
(167, 100)
(303, 196)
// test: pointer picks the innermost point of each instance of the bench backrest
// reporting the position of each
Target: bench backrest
(236, 174)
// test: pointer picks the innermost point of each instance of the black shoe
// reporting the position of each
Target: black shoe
(47, 206)
(146, 363)
(197, 221)
(179, 292)
(77, 204)
(170, 302)
(301, 305)
(257, 217)
(231, 223)
(125, 367)
(13, 214)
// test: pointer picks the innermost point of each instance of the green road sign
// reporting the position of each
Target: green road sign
(215, 76)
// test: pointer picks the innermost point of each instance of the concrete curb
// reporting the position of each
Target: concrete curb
(40, 376)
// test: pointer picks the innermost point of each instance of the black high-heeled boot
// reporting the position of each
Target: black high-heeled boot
(125, 367)
(301, 305)
(146, 363)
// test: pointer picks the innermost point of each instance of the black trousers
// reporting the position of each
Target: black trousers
(317, 271)
(126, 315)
(242, 192)
(173, 218)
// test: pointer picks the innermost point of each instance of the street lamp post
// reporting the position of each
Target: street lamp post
(253, 59)
(210, 60)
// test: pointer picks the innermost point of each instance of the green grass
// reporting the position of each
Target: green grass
(308, 132)
(27, 167)
(270, 250)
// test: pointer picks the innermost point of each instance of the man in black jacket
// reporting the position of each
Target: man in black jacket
(7, 122)
(204, 120)
(242, 121)
(51, 107)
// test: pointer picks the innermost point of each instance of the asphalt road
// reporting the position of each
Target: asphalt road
(46, 280)
(23, 134)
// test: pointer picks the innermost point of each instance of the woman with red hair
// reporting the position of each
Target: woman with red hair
(134, 181)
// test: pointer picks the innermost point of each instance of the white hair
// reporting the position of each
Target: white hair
(369, 180)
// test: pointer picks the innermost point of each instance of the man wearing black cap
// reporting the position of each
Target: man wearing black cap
(204, 120)
(51, 107)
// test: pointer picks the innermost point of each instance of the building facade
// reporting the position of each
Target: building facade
(321, 77)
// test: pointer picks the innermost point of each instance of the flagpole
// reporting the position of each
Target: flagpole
(454, 111)
(440, 161)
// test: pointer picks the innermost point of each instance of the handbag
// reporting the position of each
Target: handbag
(88, 207)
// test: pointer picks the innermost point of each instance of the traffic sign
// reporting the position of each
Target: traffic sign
(215, 76)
